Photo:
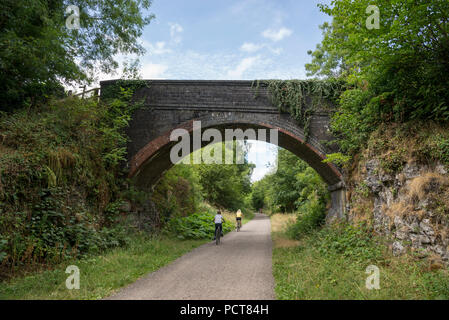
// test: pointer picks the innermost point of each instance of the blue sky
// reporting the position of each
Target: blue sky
(232, 40)
(236, 39)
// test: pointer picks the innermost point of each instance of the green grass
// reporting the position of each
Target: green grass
(311, 271)
(100, 275)
(247, 217)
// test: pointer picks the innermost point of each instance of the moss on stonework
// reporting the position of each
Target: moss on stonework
(302, 97)
(114, 90)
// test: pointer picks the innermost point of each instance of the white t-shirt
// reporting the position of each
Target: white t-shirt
(218, 218)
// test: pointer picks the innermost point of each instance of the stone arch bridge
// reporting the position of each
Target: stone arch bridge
(174, 104)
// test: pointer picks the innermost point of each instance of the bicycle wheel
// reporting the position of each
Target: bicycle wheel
(217, 236)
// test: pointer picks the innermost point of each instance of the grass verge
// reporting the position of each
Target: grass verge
(101, 275)
(331, 264)
(247, 217)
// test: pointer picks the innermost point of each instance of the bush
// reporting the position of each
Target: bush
(56, 231)
(356, 242)
(248, 213)
(177, 193)
(311, 215)
(3, 254)
(60, 185)
(354, 120)
(195, 226)
(439, 146)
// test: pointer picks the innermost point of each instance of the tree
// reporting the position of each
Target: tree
(258, 195)
(284, 180)
(292, 185)
(403, 64)
(178, 192)
(226, 185)
(327, 59)
(38, 52)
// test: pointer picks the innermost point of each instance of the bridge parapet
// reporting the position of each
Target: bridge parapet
(172, 104)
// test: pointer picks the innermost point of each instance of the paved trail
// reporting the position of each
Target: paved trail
(239, 268)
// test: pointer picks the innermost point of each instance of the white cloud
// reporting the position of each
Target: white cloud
(158, 48)
(225, 65)
(276, 51)
(153, 71)
(278, 35)
(251, 47)
(243, 66)
(175, 31)
(195, 65)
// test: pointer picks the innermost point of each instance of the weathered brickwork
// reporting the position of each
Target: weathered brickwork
(171, 104)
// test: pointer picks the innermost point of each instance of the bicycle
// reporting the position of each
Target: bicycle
(239, 225)
(217, 236)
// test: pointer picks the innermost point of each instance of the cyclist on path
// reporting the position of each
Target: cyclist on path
(238, 217)
(219, 220)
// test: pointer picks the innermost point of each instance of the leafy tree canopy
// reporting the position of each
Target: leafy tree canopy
(226, 185)
(38, 52)
(292, 185)
(403, 63)
(396, 73)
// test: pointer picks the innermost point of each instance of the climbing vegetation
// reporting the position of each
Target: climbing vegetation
(60, 185)
(302, 97)
(337, 158)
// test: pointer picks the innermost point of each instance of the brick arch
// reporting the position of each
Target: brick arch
(155, 155)
(171, 104)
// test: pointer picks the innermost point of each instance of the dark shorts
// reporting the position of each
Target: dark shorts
(238, 219)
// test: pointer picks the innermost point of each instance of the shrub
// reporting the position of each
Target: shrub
(337, 158)
(312, 214)
(3, 254)
(178, 192)
(195, 226)
(440, 148)
(60, 185)
(353, 241)
(354, 120)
